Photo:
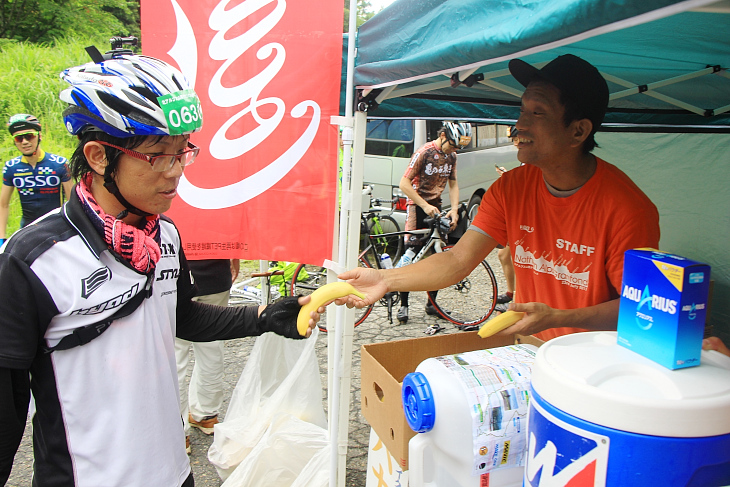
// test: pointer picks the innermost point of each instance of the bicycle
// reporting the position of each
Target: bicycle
(245, 293)
(467, 303)
(383, 228)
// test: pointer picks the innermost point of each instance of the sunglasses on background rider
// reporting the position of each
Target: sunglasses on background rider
(29, 136)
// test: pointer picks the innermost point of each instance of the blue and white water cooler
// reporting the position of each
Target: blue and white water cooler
(601, 414)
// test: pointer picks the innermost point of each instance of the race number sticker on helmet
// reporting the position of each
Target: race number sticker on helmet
(182, 111)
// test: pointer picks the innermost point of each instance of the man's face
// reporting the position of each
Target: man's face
(448, 146)
(26, 142)
(542, 135)
(144, 188)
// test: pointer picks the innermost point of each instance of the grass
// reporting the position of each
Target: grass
(31, 84)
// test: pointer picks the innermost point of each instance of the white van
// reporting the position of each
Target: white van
(390, 143)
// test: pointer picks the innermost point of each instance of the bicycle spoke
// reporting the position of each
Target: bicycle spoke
(470, 301)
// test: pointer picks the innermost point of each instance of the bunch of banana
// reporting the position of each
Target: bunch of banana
(322, 296)
(499, 323)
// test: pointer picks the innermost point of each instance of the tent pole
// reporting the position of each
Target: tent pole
(343, 319)
(346, 331)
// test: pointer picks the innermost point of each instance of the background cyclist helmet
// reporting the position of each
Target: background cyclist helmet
(459, 133)
(123, 99)
(23, 122)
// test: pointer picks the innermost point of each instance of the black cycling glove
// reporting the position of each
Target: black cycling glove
(281, 318)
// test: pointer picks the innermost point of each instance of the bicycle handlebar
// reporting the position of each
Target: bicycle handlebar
(443, 223)
(377, 201)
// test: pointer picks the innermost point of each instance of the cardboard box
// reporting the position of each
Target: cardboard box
(383, 367)
(382, 468)
(663, 307)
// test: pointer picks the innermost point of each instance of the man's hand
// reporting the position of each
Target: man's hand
(235, 269)
(368, 281)
(281, 317)
(430, 210)
(538, 317)
(454, 215)
(714, 343)
(314, 316)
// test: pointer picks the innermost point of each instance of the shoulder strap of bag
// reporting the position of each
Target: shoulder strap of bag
(84, 334)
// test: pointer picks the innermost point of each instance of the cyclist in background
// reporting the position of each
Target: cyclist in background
(431, 168)
(38, 175)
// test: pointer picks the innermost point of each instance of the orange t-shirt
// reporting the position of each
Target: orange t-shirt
(568, 252)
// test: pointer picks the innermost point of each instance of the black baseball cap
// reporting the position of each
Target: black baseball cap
(576, 78)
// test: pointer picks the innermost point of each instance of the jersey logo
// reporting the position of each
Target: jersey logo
(562, 454)
(168, 274)
(115, 302)
(167, 250)
(94, 281)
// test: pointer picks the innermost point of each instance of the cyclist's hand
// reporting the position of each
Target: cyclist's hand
(367, 281)
(314, 316)
(281, 317)
(538, 317)
(430, 210)
(454, 215)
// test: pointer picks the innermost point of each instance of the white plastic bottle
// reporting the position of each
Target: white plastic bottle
(407, 258)
(385, 261)
(443, 455)
(253, 290)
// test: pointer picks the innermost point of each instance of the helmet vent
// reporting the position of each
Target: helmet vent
(140, 99)
(127, 110)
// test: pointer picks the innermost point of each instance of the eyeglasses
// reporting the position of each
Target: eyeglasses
(163, 162)
(29, 136)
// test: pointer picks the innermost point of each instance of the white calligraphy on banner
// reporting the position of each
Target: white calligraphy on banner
(221, 147)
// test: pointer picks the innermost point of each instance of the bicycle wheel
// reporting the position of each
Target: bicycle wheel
(313, 277)
(470, 301)
(393, 244)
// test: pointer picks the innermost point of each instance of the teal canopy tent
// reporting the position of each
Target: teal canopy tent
(666, 61)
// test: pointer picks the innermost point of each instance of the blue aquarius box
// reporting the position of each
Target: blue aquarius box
(663, 304)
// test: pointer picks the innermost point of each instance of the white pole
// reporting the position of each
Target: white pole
(343, 319)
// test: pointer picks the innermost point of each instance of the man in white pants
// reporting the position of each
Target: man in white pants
(201, 404)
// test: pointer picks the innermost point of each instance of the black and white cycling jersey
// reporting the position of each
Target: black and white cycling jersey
(106, 413)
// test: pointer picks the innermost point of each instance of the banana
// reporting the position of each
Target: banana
(499, 323)
(323, 295)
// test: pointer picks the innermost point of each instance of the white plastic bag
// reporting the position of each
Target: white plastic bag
(291, 452)
(280, 376)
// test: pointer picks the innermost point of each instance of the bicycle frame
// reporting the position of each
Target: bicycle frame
(435, 241)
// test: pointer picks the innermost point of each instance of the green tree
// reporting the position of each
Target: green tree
(364, 12)
(43, 21)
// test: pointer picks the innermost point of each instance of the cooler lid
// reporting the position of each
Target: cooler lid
(589, 376)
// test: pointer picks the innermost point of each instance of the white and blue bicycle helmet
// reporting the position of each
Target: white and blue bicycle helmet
(459, 132)
(120, 96)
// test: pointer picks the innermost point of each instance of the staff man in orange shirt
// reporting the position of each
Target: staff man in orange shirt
(566, 215)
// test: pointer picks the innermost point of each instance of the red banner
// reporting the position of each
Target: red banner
(267, 73)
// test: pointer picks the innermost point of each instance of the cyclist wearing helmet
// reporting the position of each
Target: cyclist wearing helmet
(94, 295)
(431, 168)
(38, 175)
